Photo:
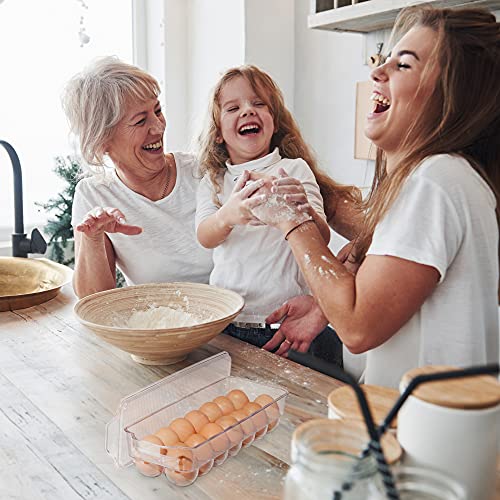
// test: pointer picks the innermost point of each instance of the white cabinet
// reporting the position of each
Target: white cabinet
(364, 16)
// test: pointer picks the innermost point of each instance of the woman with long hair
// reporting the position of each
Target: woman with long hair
(426, 288)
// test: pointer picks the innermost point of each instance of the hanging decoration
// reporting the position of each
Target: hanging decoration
(84, 38)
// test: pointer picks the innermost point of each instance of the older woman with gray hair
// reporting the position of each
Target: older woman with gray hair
(139, 216)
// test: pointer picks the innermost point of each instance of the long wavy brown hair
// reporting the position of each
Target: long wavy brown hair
(287, 138)
(461, 117)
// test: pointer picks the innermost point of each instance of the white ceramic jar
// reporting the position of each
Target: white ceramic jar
(453, 426)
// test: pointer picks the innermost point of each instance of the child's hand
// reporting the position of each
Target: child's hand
(238, 208)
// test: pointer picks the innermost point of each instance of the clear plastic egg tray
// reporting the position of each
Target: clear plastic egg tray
(153, 407)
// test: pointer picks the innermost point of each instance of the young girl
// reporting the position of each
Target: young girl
(251, 134)
(426, 290)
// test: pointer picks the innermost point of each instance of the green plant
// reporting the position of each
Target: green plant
(58, 227)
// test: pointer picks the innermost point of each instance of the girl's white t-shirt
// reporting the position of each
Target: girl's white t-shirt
(167, 250)
(444, 217)
(256, 261)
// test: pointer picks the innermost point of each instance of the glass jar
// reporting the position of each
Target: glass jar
(326, 463)
(418, 483)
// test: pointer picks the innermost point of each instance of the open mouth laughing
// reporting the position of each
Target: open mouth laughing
(249, 129)
(381, 103)
(154, 146)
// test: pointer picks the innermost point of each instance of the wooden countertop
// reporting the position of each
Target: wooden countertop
(60, 385)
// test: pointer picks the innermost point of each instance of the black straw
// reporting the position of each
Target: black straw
(376, 433)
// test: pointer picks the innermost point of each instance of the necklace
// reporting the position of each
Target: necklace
(167, 182)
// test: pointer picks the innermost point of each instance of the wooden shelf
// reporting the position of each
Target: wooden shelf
(373, 15)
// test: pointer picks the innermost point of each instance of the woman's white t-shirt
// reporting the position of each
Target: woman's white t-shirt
(167, 250)
(444, 217)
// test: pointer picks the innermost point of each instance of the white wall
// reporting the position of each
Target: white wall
(186, 44)
(270, 41)
(327, 67)
(216, 42)
(201, 40)
(175, 55)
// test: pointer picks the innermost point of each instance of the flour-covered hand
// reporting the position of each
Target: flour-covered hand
(238, 208)
(292, 191)
(276, 209)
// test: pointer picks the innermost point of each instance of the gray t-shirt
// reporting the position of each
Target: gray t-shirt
(167, 250)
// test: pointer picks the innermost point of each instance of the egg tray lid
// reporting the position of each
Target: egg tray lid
(158, 395)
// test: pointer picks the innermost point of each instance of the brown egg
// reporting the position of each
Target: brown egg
(235, 435)
(167, 436)
(182, 472)
(218, 444)
(146, 468)
(225, 405)
(182, 427)
(197, 419)
(238, 398)
(272, 411)
(272, 424)
(264, 399)
(203, 453)
(259, 418)
(247, 426)
(211, 410)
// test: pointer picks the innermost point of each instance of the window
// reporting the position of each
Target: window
(41, 51)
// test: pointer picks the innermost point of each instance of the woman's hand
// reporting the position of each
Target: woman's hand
(292, 191)
(287, 206)
(238, 208)
(276, 210)
(302, 322)
(106, 220)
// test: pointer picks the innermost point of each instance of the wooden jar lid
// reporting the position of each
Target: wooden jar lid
(344, 403)
(390, 445)
(467, 393)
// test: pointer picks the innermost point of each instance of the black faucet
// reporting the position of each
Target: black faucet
(21, 245)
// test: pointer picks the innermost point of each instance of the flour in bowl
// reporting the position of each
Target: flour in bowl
(160, 317)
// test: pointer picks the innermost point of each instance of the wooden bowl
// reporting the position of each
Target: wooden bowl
(29, 282)
(214, 307)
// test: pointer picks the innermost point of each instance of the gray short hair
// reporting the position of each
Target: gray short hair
(94, 101)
